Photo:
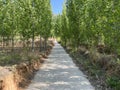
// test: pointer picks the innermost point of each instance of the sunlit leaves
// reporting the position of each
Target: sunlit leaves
(93, 22)
(26, 18)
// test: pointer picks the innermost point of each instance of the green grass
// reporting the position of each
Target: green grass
(16, 58)
(113, 82)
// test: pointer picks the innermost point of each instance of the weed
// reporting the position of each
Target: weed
(113, 82)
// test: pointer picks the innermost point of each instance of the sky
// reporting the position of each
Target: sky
(57, 6)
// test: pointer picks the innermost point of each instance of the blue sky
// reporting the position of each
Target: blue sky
(57, 6)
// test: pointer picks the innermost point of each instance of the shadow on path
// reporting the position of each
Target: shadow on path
(59, 73)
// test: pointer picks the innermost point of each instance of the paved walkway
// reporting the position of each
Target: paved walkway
(59, 73)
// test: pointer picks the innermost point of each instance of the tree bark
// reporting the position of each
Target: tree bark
(33, 37)
(12, 43)
(40, 47)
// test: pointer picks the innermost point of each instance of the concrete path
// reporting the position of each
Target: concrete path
(59, 73)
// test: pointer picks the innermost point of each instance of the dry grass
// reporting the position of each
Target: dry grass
(102, 69)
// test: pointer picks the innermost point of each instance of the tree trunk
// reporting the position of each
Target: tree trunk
(45, 43)
(33, 37)
(40, 49)
(12, 43)
(65, 42)
(3, 42)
